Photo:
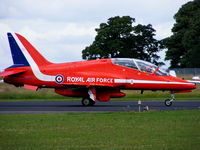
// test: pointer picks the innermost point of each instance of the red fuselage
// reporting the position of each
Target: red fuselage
(100, 73)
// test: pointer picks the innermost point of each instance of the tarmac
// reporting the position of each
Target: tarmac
(11, 107)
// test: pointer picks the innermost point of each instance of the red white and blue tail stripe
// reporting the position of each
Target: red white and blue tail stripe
(24, 55)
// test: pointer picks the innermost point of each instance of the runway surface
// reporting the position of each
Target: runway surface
(75, 106)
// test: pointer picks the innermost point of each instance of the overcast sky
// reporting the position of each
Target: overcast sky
(61, 29)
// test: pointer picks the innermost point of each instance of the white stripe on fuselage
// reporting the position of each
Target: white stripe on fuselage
(36, 71)
(132, 81)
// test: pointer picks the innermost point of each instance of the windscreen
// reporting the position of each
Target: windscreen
(125, 62)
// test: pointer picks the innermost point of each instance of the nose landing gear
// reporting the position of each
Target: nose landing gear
(168, 102)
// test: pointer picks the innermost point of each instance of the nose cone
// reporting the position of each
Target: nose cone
(185, 85)
(192, 86)
(180, 84)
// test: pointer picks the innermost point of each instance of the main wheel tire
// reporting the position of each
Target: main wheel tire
(87, 102)
(168, 102)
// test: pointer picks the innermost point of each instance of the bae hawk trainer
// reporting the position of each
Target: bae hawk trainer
(91, 80)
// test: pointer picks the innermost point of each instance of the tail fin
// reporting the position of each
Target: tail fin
(18, 57)
(18, 44)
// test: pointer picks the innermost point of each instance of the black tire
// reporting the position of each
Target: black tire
(87, 102)
(168, 102)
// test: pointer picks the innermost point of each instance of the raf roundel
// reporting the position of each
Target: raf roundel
(59, 78)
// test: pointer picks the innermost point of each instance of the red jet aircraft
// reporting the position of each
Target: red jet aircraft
(92, 80)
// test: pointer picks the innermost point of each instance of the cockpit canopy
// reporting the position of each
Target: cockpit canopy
(139, 65)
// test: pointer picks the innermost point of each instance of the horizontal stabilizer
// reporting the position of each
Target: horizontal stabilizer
(11, 72)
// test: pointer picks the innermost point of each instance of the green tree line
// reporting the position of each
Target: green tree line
(121, 37)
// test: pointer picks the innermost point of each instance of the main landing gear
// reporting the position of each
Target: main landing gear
(90, 100)
(168, 102)
(87, 102)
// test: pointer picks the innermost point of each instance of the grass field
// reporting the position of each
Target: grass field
(173, 130)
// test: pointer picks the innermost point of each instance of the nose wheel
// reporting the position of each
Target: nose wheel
(168, 102)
